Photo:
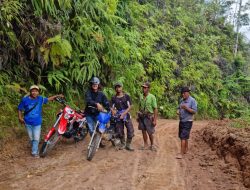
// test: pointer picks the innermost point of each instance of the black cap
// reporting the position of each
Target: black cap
(146, 84)
(185, 89)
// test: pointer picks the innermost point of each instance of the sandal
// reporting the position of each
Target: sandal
(153, 148)
(178, 156)
(145, 148)
(142, 148)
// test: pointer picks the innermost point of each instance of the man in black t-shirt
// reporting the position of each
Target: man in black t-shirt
(121, 103)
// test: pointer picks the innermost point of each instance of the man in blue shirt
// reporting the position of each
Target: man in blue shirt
(32, 107)
(186, 111)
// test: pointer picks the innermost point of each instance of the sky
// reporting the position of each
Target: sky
(246, 29)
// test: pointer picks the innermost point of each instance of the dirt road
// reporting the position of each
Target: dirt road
(66, 166)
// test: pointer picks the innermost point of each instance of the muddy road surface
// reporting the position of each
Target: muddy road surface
(66, 166)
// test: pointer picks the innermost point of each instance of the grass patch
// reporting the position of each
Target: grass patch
(240, 123)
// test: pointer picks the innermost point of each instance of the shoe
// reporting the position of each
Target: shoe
(35, 156)
(128, 145)
(116, 142)
(144, 148)
(123, 144)
(153, 148)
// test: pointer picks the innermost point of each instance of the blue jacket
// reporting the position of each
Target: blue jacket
(95, 97)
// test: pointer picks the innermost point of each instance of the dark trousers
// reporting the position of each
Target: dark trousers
(120, 129)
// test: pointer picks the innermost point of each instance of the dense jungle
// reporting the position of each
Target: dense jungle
(61, 44)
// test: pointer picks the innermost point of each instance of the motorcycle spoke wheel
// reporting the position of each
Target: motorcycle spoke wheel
(93, 147)
(50, 144)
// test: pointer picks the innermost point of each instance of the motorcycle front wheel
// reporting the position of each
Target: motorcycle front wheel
(50, 144)
(93, 147)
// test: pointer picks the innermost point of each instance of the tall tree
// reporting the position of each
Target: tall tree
(241, 19)
(238, 25)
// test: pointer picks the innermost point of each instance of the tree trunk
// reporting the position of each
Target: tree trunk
(238, 25)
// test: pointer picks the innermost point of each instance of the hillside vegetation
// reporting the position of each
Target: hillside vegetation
(61, 44)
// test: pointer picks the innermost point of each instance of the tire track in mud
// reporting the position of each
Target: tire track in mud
(162, 170)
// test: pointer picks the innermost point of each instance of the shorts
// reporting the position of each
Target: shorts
(184, 129)
(146, 124)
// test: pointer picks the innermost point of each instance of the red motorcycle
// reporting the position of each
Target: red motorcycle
(69, 124)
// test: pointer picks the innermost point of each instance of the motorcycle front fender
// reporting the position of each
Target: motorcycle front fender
(102, 128)
(54, 128)
(62, 126)
(50, 133)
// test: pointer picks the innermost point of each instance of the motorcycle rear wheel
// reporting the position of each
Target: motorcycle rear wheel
(93, 147)
(50, 144)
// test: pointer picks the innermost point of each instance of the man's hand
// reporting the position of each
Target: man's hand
(21, 120)
(122, 116)
(184, 107)
(187, 109)
(113, 111)
(52, 98)
(178, 112)
(99, 107)
(60, 96)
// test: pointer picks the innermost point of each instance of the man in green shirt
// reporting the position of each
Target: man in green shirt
(147, 116)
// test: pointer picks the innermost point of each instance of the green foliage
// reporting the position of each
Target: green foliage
(9, 14)
(126, 75)
(50, 7)
(61, 44)
(57, 49)
(58, 79)
(241, 122)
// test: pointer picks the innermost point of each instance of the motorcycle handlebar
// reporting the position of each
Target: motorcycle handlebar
(60, 100)
(115, 116)
(104, 111)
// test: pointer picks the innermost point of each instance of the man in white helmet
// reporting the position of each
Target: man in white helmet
(96, 101)
(32, 119)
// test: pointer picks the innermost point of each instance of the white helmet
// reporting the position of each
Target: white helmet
(34, 87)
